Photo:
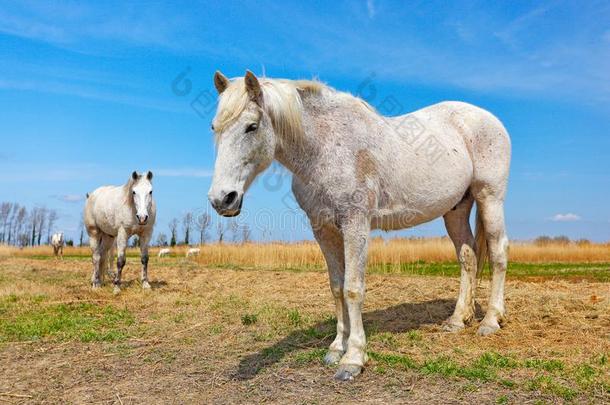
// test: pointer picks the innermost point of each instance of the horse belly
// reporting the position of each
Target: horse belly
(416, 196)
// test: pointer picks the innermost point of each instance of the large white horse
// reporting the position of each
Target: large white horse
(355, 170)
(118, 212)
(57, 241)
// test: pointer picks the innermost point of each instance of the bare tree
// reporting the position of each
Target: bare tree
(220, 231)
(33, 221)
(173, 229)
(42, 222)
(202, 223)
(11, 222)
(234, 229)
(20, 220)
(51, 219)
(161, 239)
(5, 211)
(81, 226)
(246, 233)
(187, 223)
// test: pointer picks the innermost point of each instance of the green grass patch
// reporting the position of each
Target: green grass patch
(542, 364)
(593, 271)
(249, 319)
(549, 384)
(310, 356)
(29, 319)
(553, 376)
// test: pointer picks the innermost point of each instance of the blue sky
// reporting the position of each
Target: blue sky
(86, 95)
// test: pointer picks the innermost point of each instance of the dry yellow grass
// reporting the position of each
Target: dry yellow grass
(208, 335)
(393, 251)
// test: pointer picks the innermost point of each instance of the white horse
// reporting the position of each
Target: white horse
(193, 252)
(118, 212)
(164, 252)
(355, 170)
(57, 241)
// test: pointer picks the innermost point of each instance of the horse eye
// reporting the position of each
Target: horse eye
(133, 193)
(150, 192)
(251, 128)
(212, 127)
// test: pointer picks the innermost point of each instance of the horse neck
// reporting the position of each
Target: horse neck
(300, 155)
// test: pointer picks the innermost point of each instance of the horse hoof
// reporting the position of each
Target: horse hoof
(453, 326)
(145, 285)
(488, 329)
(116, 290)
(333, 357)
(96, 286)
(347, 372)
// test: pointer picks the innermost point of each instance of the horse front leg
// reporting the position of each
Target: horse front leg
(121, 244)
(331, 244)
(144, 241)
(355, 240)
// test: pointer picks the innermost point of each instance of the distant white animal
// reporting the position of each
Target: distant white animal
(193, 252)
(355, 170)
(118, 212)
(164, 252)
(57, 241)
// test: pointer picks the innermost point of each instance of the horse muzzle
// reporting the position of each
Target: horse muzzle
(227, 204)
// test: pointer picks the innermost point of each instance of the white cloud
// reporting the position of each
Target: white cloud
(183, 172)
(370, 8)
(569, 217)
(70, 198)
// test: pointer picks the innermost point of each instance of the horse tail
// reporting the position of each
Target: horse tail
(480, 242)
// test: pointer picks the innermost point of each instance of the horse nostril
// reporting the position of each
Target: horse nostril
(229, 198)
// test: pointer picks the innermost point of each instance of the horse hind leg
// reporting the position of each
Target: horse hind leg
(492, 217)
(106, 252)
(458, 228)
(95, 242)
(109, 261)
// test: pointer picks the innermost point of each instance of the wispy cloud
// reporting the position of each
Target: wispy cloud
(569, 217)
(183, 172)
(69, 25)
(370, 8)
(87, 92)
(70, 198)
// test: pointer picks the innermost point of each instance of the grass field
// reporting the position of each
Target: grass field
(249, 324)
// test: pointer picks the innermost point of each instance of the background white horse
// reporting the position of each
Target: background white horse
(57, 241)
(165, 252)
(118, 212)
(355, 170)
(193, 252)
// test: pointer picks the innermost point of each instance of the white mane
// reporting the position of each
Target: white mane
(281, 100)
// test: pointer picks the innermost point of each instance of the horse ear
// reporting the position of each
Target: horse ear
(134, 175)
(220, 82)
(149, 176)
(253, 87)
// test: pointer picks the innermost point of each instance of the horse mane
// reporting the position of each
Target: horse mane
(282, 100)
(128, 188)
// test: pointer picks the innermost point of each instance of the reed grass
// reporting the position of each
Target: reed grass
(382, 253)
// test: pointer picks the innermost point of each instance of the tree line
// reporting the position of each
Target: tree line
(198, 229)
(20, 226)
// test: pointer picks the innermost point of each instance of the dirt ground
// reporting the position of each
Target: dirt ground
(211, 335)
